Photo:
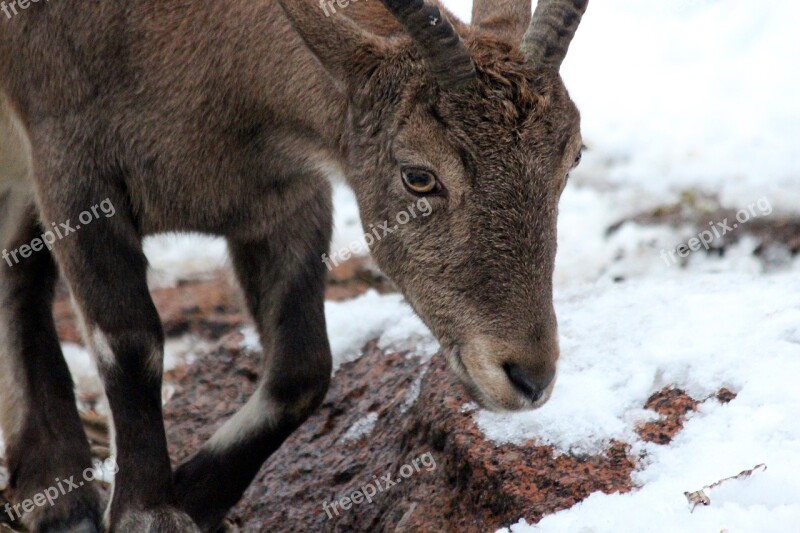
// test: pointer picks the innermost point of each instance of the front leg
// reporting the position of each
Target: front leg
(283, 278)
(105, 268)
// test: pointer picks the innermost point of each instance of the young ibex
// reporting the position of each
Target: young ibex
(225, 118)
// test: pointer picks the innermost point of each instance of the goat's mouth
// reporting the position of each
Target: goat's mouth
(458, 367)
(508, 396)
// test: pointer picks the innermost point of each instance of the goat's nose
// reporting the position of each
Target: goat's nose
(531, 385)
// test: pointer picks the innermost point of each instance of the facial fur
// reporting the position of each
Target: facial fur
(479, 269)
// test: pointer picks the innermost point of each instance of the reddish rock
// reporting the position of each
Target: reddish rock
(354, 278)
(209, 308)
(475, 485)
(725, 396)
(673, 405)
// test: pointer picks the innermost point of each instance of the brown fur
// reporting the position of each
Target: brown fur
(223, 118)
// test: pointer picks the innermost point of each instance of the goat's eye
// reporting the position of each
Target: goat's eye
(420, 181)
(578, 159)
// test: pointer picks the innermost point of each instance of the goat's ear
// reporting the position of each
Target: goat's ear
(343, 48)
(505, 19)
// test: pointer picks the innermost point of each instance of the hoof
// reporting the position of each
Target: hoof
(84, 526)
(164, 520)
(78, 513)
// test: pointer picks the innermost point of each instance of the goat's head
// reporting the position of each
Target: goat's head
(484, 130)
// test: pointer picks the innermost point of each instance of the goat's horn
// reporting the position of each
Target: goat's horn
(552, 28)
(437, 40)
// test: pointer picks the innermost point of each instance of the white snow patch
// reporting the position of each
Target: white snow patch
(696, 332)
(588, 254)
(348, 233)
(361, 428)
(470, 407)
(183, 350)
(409, 333)
(672, 114)
(174, 257)
(83, 369)
(251, 341)
(412, 395)
(353, 323)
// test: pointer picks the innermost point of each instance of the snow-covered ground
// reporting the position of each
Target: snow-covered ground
(676, 96)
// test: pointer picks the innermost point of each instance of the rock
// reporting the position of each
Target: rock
(208, 308)
(725, 396)
(473, 486)
(354, 278)
(777, 235)
(673, 405)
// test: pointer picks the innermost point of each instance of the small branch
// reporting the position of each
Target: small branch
(701, 498)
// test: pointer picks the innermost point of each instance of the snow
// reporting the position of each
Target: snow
(353, 323)
(348, 234)
(83, 369)
(387, 317)
(361, 428)
(413, 393)
(183, 256)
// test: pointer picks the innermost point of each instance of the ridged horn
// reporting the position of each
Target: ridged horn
(437, 40)
(552, 28)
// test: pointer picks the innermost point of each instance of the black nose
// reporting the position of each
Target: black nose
(532, 385)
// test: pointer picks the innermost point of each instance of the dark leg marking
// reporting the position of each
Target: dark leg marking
(283, 280)
(44, 437)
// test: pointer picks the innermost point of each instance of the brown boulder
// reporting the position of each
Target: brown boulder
(475, 485)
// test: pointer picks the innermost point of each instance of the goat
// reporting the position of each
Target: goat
(225, 118)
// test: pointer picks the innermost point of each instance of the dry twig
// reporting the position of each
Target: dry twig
(701, 498)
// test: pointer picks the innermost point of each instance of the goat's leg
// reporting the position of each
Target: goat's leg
(44, 438)
(283, 280)
(105, 268)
